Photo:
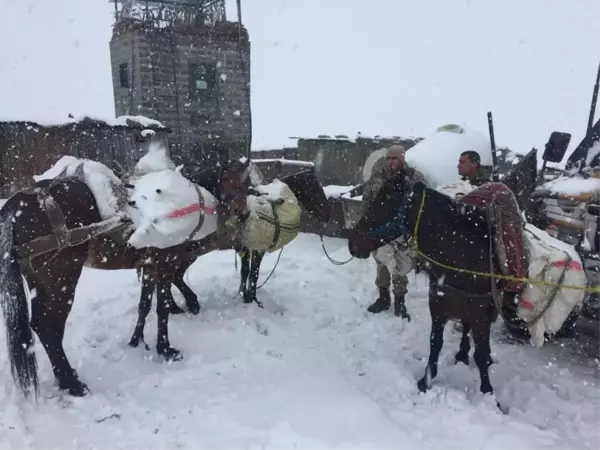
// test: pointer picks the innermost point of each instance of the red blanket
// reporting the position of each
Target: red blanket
(504, 215)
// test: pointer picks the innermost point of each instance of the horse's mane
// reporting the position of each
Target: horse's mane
(207, 177)
(380, 210)
(443, 208)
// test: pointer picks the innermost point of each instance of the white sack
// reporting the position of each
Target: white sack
(159, 194)
(547, 258)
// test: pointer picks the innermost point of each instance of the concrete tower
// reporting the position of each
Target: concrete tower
(182, 63)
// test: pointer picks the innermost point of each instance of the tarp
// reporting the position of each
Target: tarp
(274, 220)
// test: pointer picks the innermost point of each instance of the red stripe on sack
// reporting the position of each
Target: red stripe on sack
(181, 212)
(574, 265)
(524, 303)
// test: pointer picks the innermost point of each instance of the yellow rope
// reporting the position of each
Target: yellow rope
(415, 247)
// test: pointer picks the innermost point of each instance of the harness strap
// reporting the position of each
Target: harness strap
(201, 217)
(55, 217)
(277, 233)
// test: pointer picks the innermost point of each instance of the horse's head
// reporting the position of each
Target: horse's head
(234, 183)
(363, 238)
(310, 193)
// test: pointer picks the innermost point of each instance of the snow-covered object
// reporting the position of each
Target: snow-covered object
(155, 160)
(335, 191)
(573, 185)
(109, 192)
(170, 208)
(436, 157)
(456, 189)
(52, 121)
(260, 230)
(548, 259)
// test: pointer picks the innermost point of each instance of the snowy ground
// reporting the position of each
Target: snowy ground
(311, 371)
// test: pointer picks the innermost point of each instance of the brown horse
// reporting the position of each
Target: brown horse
(452, 234)
(55, 212)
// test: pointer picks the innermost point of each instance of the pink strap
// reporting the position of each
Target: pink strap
(187, 210)
(526, 304)
(572, 265)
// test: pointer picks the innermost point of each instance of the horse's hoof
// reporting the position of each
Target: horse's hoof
(170, 354)
(175, 309)
(422, 385)
(135, 342)
(78, 389)
(194, 308)
(487, 389)
(504, 410)
(461, 357)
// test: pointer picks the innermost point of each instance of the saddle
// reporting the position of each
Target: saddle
(507, 225)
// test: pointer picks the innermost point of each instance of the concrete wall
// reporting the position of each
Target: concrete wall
(160, 83)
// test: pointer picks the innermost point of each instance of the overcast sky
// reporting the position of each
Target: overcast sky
(388, 67)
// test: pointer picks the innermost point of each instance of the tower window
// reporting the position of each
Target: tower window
(202, 80)
(124, 75)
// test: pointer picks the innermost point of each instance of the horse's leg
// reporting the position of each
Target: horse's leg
(483, 352)
(436, 342)
(191, 299)
(244, 271)
(465, 345)
(50, 307)
(254, 273)
(148, 285)
(163, 298)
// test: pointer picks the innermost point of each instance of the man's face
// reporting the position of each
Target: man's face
(466, 168)
(394, 161)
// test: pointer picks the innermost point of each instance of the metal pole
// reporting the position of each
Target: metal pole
(594, 99)
(591, 119)
(246, 78)
(495, 176)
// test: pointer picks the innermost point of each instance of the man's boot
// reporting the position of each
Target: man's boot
(382, 303)
(400, 307)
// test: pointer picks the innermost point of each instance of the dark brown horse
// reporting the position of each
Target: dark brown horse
(454, 235)
(55, 212)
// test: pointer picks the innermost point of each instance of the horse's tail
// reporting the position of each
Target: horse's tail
(19, 336)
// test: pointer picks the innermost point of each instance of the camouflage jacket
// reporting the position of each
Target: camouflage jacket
(374, 184)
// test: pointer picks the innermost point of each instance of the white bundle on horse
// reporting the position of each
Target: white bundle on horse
(549, 259)
(274, 219)
(108, 190)
(171, 210)
(456, 189)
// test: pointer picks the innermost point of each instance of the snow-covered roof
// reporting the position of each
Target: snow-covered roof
(359, 135)
(283, 160)
(121, 121)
